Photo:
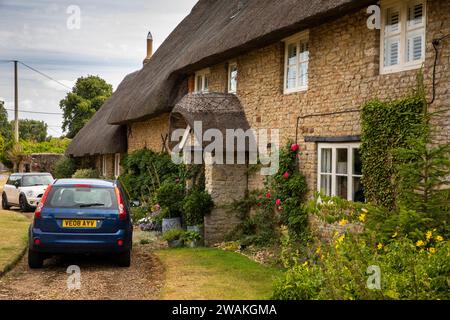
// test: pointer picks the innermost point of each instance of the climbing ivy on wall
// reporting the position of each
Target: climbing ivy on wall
(387, 126)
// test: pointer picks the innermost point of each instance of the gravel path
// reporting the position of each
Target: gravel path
(101, 278)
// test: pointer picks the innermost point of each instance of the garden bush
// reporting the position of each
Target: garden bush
(170, 196)
(196, 205)
(64, 168)
(86, 174)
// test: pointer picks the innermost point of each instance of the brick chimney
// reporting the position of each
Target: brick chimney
(149, 47)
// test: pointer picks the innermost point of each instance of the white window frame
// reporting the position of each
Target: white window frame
(295, 39)
(350, 174)
(403, 6)
(204, 74)
(117, 165)
(230, 66)
(104, 165)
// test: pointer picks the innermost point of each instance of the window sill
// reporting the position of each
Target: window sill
(402, 68)
(290, 91)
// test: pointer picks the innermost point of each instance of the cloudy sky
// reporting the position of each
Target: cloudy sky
(110, 42)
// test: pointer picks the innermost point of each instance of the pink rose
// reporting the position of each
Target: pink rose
(268, 195)
(294, 147)
(278, 202)
(286, 175)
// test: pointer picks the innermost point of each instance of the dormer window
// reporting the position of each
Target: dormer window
(202, 81)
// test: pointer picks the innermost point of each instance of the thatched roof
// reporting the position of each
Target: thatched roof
(220, 111)
(99, 137)
(214, 31)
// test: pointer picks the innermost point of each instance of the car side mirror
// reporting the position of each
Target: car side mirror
(17, 184)
(135, 203)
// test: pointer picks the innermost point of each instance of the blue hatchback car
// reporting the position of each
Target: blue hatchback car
(81, 216)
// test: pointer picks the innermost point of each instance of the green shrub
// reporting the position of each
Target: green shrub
(191, 236)
(196, 205)
(64, 168)
(86, 174)
(174, 234)
(170, 196)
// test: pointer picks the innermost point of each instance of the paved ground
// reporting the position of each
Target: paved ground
(100, 278)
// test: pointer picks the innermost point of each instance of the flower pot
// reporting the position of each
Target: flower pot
(200, 231)
(170, 223)
(175, 243)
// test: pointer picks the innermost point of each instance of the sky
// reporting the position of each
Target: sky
(70, 39)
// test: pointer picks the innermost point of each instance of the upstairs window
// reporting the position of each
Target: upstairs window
(402, 35)
(232, 77)
(296, 63)
(202, 81)
(117, 165)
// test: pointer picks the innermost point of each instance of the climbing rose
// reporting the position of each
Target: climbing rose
(294, 147)
(286, 175)
(267, 195)
(278, 202)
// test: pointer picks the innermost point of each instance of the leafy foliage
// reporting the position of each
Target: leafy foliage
(173, 234)
(86, 98)
(197, 204)
(86, 174)
(32, 130)
(5, 126)
(64, 168)
(386, 127)
(54, 145)
(170, 196)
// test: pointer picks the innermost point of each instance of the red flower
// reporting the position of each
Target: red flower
(286, 175)
(294, 147)
(278, 202)
(268, 195)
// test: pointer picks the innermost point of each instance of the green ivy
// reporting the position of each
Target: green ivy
(387, 126)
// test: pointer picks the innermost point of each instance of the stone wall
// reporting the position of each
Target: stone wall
(343, 75)
(225, 183)
(147, 134)
(325, 231)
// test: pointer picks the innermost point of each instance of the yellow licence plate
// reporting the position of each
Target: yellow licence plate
(79, 223)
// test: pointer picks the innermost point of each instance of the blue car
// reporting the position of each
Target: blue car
(81, 216)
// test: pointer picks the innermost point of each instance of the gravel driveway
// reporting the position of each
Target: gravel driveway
(100, 278)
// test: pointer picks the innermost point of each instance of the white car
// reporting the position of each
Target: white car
(25, 190)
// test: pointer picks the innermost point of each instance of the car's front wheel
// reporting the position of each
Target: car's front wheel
(5, 204)
(124, 259)
(24, 207)
(35, 259)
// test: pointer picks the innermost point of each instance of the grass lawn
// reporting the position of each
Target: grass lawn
(13, 240)
(207, 273)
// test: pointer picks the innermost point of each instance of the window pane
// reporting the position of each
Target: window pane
(291, 77)
(233, 78)
(206, 84)
(341, 161)
(358, 192)
(199, 83)
(357, 164)
(304, 51)
(392, 52)
(303, 77)
(325, 184)
(415, 15)
(341, 187)
(325, 161)
(415, 47)
(392, 20)
(292, 54)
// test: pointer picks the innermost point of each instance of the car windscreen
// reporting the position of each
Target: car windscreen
(38, 180)
(76, 197)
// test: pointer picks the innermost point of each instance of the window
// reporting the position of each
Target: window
(296, 63)
(202, 81)
(232, 77)
(117, 165)
(403, 35)
(340, 171)
(104, 165)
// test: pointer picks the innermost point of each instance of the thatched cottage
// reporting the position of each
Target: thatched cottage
(303, 67)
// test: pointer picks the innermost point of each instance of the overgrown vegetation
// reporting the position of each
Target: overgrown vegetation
(64, 168)
(86, 174)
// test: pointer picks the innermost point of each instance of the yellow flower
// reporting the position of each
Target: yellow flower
(428, 235)
(420, 243)
(305, 264)
(341, 238)
(318, 250)
(395, 234)
(343, 222)
(432, 250)
(380, 246)
(362, 217)
(439, 238)
(335, 234)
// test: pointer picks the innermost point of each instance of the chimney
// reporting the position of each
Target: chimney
(149, 47)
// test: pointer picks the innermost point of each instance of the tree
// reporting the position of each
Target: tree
(32, 130)
(5, 127)
(87, 96)
(16, 155)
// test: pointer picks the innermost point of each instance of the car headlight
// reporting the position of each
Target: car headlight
(30, 193)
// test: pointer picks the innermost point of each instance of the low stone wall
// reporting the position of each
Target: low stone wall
(325, 231)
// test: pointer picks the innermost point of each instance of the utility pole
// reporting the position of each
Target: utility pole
(16, 104)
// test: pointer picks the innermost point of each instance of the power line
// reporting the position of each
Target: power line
(44, 75)
(37, 112)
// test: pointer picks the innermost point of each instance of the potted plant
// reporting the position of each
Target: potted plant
(197, 204)
(174, 238)
(192, 239)
(170, 197)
